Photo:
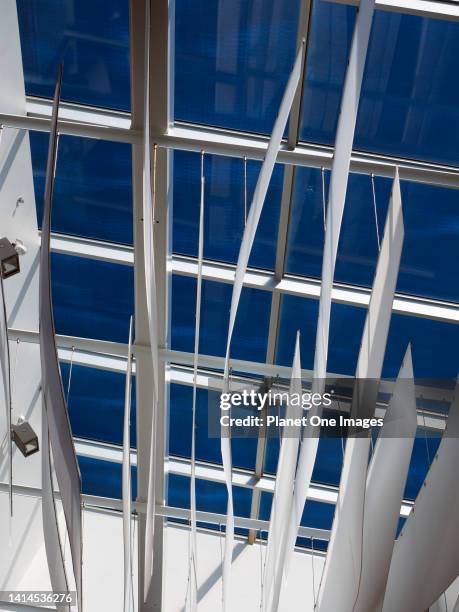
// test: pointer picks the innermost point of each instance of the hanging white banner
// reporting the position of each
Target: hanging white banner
(343, 566)
(283, 493)
(193, 548)
(425, 560)
(241, 268)
(60, 434)
(336, 200)
(53, 544)
(385, 486)
(126, 481)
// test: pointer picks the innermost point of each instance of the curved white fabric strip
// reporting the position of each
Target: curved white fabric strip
(426, 557)
(456, 607)
(385, 485)
(60, 434)
(51, 535)
(5, 366)
(149, 194)
(283, 494)
(126, 481)
(342, 571)
(241, 268)
(193, 547)
(336, 200)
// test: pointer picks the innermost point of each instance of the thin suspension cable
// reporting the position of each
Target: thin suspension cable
(375, 210)
(9, 407)
(153, 186)
(261, 570)
(313, 574)
(70, 374)
(134, 524)
(425, 438)
(245, 190)
(221, 558)
(324, 205)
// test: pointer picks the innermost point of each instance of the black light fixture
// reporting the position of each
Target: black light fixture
(25, 438)
(9, 258)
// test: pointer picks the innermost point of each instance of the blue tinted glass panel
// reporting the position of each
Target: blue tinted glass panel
(91, 38)
(327, 469)
(433, 343)
(223, 208)
(252, 322)
(232, 66)
(431, 234)
(103, 478)
(346, 326)
(91, 299)
(409, 105)
(244, 450)
(316, 514)
(92, 190)
(424, 450)
(96, 403)
(210, 496)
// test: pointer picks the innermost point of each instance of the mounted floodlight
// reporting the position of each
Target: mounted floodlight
(25, 438)
(9, 258)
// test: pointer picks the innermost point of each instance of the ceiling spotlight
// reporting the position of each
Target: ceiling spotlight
(9, 258)
(19, 247)
(25, 438)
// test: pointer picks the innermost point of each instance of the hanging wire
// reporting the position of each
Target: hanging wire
(260, 546)
(153, 188)
(375, 210)
(134, 524)
(313, 574)
(18, 342)
(245, 190)
(221, 556)
(425, 437)
(70, 374)
(323, 199)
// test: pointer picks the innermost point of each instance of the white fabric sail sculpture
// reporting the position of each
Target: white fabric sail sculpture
(149, 196)
(53, 544)
(193, 544)
(283, 492)
(5, 373)
(343, 566)
(426, 555)
(126, 480)
(385, 486)
(336, 200)
(60, 434)
(241, 268)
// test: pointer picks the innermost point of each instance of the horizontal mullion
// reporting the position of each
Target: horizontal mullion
(258, 279)
(433, 9)
(99, 123)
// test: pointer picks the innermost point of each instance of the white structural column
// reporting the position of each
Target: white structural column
(283, 493)
(384, 490)
(149, 201)
(162, 28)
(426, 555)
(241, 268)
(336, 200)
(126, 481)
(343, 566)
